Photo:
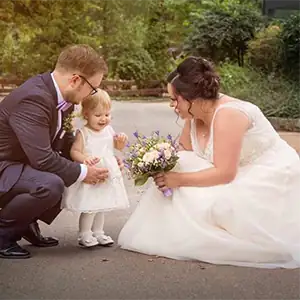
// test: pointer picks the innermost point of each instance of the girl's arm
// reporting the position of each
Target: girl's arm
(77, 149)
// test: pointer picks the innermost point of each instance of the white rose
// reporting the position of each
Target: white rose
(168, 154)
(149, 157)
(155, 154)
(163, 146)
(140, 164)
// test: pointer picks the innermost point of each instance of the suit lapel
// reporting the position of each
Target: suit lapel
(54, 113)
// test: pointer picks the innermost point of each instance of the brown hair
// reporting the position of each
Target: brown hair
(81, 58)
(195, 78)
(92, 101)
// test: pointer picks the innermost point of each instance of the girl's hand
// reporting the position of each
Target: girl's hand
(120, 163)
(167, 180)
(91, 161)
(120, 141)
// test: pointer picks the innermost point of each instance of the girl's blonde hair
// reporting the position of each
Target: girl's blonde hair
(92, 101)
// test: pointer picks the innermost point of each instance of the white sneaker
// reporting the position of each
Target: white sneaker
(104, 240)
(87, 240)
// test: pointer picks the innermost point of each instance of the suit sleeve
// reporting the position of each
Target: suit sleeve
(30, 121)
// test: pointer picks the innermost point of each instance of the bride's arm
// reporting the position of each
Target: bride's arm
(185, 142)
(230, 126)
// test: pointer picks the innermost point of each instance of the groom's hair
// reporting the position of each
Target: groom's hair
(81, 58)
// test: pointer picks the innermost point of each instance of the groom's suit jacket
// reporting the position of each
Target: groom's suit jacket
(28, 124)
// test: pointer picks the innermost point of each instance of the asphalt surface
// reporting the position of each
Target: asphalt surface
(69, 272)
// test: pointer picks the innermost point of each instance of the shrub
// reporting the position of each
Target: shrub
(136, 64)
(264, 51)
(276, 96)
(223, 30)
(290, 36)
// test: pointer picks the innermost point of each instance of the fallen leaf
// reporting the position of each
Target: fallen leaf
(104, 259)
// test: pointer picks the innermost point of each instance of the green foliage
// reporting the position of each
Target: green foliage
(290, 36)
(135, 37)
(221, 29)
(265, 50)
(37, 30)
(157, 42)
(276, 96)
(136, 64)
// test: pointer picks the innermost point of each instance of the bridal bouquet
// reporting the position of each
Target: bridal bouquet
(148, 156)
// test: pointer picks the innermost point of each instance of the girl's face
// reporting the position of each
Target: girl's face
(180, 105)
(98, 118)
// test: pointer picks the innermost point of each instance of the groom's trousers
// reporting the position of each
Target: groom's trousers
(35, 195)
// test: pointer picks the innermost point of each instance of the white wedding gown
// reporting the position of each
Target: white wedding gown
(253, 221)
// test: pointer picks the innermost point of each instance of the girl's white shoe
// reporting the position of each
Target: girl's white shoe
(87, 240)
(104, 240)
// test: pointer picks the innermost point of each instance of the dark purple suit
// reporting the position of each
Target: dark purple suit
(34, 166)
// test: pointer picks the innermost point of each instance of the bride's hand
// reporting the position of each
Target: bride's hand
(166, 180)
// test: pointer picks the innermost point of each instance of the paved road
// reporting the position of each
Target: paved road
(68, 272)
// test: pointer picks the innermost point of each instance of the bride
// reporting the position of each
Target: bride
(236, 187)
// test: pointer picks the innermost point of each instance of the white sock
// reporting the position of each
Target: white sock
(98, 224)
(85, 223)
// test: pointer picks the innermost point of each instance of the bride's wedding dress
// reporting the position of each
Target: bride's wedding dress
(253, 221)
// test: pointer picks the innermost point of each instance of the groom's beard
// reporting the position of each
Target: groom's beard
(72, 97)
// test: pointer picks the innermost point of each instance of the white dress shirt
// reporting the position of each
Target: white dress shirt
(60, 99)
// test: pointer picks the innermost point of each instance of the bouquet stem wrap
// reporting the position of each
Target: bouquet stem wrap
(168, 193)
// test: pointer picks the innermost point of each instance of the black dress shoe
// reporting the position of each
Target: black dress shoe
(14, 251)
(33, 235)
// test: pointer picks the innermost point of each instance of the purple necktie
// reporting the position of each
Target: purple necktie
(63, 106)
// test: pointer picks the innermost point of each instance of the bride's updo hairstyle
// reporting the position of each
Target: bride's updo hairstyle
(195, 78)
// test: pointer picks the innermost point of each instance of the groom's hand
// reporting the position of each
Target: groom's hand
(95, 175)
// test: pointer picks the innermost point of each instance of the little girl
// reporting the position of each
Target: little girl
(96, 140)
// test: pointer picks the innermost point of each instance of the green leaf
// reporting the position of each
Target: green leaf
(139, 181)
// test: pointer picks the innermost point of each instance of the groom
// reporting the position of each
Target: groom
(34, 162)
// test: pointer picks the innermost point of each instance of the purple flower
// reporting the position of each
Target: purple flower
(169, 137)
(136, 134)
(157, 132)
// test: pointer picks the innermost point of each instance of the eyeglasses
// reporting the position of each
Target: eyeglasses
(94, 90)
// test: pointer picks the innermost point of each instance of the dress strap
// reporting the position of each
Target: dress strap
(238, 105)
(84, 135)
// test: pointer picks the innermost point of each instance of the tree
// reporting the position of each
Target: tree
(222, 28)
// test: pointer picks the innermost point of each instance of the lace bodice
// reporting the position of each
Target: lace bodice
(98, 143)
(259, 137)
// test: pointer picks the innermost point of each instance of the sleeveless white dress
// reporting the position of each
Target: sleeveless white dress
(111, 194)
(253, 221)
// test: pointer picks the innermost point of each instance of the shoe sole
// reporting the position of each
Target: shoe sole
(42, 245)
(87, 247)
(15, 257)
(106, 245)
